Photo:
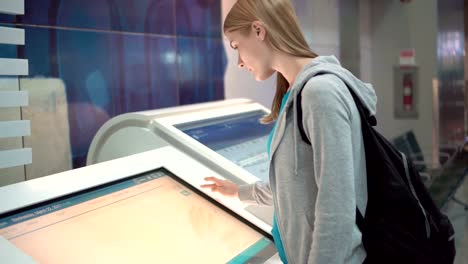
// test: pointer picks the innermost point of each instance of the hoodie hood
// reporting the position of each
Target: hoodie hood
(329, 64)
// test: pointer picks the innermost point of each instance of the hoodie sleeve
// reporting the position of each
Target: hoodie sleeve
(257, 193)
(326, 118)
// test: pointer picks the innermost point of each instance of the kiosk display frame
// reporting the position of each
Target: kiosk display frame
(49, 191)
(169, 129)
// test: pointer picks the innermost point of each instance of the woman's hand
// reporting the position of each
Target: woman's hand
(224, 187)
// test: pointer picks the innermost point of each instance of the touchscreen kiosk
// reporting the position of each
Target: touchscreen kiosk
(241, 139)
(152, 217)
(132, 133)
(225, 136)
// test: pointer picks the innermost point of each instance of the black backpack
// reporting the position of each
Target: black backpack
(402, 224)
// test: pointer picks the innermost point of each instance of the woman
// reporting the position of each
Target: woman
(315, 188)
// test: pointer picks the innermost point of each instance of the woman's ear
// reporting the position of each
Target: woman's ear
(259, 30)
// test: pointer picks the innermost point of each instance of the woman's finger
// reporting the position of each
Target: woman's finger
(214, 179)
(210, 185)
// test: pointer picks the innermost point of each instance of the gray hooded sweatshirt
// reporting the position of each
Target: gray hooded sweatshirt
(315, 189)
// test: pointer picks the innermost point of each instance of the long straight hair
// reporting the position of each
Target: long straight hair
(283, 33)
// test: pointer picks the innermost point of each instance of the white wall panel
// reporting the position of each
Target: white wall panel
(15, 7)
(13, 98)
(13, 36)
(13, 67)
(15, 157)
(17, 128)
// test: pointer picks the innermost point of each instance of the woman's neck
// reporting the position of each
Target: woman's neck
(289, 66)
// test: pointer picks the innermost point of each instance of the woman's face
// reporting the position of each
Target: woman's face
(254, 53)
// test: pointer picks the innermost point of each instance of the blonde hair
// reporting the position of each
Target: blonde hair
(283, 33)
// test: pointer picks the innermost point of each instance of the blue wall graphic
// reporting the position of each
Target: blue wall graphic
(118, 56)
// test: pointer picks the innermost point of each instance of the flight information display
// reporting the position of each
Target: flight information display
(241, 139)
(153, 217)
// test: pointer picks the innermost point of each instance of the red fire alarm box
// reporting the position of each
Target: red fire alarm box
(406, 91)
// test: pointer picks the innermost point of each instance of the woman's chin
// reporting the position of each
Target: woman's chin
(262, 77)
(258, 79)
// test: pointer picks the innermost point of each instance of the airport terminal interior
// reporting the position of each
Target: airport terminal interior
(112, 113)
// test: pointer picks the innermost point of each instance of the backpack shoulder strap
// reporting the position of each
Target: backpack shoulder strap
(299, 117)
(363, 111)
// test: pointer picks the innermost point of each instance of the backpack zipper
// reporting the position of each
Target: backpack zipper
(428, 227)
